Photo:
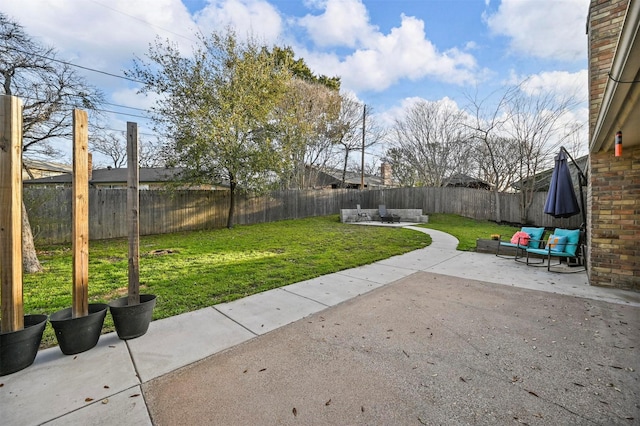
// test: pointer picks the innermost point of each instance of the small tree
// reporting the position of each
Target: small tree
(215, 108)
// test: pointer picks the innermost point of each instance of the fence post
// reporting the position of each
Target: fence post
(11, 213)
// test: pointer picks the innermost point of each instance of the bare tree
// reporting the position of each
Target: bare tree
(432, 139)
(534, 124)
(113, 145)
(50, 89)
(494, 153)
(355, 130)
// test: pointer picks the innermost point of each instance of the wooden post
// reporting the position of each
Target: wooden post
(364, 133)
(11, 213)
(80, 219)
(133, 208)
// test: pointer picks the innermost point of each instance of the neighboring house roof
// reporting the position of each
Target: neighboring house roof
(35, 169)
(466, 181)
(116, 177)
(543, 179)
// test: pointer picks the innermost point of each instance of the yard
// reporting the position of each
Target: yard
(189, 271)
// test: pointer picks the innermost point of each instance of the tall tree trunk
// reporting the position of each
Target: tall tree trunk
(30, 262)
(232, 203)
(498, 207)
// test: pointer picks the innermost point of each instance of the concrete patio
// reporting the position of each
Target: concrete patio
(363, 346)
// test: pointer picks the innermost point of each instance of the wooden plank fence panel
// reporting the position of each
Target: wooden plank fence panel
(174, 211)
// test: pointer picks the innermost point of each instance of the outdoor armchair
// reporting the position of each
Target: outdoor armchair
(361, 215)
(563, 243)
(520, 244)
(386, 216)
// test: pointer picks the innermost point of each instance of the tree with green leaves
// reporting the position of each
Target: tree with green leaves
(216, 108)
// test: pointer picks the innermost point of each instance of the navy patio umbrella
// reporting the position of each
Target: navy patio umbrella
(561, 200)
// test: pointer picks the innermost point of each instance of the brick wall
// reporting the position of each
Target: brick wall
(615, 219)
(613, 195)
(605, 22)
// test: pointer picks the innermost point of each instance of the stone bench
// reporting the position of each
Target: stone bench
(406, 215)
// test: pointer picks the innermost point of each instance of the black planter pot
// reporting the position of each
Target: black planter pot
(132, 321)
(80, 334)
(18, 349)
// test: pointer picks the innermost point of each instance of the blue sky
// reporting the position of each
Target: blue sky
(388, 53)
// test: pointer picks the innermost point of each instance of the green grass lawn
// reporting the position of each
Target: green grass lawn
(192, 270)
(189, 271)
(466, 230)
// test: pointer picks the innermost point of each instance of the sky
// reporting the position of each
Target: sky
(387, 53)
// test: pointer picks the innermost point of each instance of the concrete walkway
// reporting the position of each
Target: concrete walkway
(133, 382)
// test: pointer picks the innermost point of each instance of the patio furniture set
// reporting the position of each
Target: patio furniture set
(531, 248)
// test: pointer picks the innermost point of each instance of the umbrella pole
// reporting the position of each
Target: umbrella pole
(582, 180)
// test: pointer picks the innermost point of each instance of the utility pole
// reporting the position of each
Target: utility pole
(364, 116)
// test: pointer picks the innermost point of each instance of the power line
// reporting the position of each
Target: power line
(77, 66)
(143, 21)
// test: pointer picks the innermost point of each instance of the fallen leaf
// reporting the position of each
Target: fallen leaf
(328, 402)
(88, 399)
(105, 401)
(294, 411)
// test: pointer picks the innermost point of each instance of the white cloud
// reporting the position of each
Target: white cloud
(103, 36)
(543, 29)
(256, 18)
(343, 23)
(561, 83)
(403, 53)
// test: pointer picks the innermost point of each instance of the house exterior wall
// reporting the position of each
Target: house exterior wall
(613, 201)
(605, 22)
(615, 220)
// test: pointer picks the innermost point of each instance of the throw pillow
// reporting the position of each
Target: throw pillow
(520, 238)
(557, 242)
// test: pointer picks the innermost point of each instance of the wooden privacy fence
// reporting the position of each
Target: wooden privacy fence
(187, 210)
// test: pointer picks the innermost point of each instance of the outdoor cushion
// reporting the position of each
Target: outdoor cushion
(556, 242)
(520, 238)
(573, 238)
(536, 236)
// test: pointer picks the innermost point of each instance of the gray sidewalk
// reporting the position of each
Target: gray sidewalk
(107, 383)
